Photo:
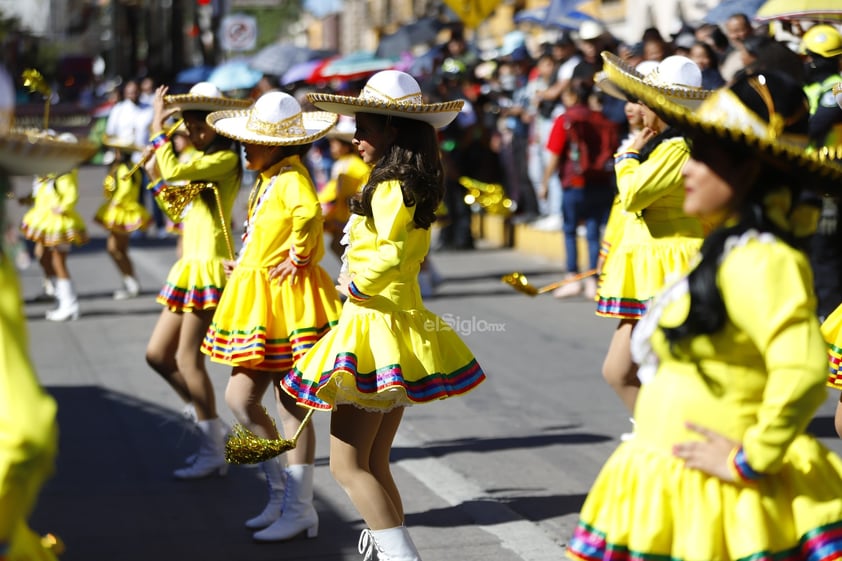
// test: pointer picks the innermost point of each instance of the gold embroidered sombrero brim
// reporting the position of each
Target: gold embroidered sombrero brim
(723, 118)
(31, 152)
(192, 102)
(120, 144)
(236, 125)
(436, 114)
(617, 75)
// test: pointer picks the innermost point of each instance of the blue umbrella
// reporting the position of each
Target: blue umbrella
(728, 8)
(300, 72)
(234, 75)
(193, 75)
(560, 14)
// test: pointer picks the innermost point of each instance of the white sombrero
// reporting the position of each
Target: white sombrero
(204, 96)
(390, 92)
(120, 144)
(275, 119)
(40, 152)
(677, 78)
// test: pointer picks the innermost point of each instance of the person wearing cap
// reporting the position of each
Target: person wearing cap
(121, 214)
(388, 351)
(195, 282)
(54, 224)
(721, 466)
(659, 239)
(292, 299)
(822, 47)
(347, 176)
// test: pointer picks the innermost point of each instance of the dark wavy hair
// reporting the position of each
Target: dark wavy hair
(707, 313)
(218, 144)
(413, 159)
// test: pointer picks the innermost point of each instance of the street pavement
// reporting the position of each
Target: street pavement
(496, 475)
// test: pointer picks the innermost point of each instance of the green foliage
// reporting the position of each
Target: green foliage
(273, 22)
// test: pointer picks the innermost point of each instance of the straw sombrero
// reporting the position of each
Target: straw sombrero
(390, 92)
(275, 119)
(723, 118)
(204, 96)
(120, 144)
(676, 78)
(40, 152)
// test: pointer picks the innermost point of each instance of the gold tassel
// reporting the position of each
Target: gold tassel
(244, 447)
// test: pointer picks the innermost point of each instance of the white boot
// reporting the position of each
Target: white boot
(131, 288)
(275, 479)
(298, 514)
(68, 304)
(393, 544)
(210, 459)
(48, 290)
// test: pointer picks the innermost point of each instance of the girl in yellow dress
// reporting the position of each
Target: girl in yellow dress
(53, 223)
(720, 466)
(658, 239)
(292, 301)
(388, 351)
(121, 214)
(196, 280)
(347, 176)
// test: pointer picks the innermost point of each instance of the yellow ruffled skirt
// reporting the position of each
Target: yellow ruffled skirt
(42, 225)
(193, 284)
(123, 218)
(281, 322)
(646, 505)
(386, 352)
(638, 266)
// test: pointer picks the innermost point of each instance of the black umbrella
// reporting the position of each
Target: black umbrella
(422, 31)
(277, 58)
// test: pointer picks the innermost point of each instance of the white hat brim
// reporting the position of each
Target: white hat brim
(28, 153)
(190, 102)
(232, 124)
(436, 114)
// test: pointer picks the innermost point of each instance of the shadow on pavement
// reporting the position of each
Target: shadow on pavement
(113, 497)
(498, 510)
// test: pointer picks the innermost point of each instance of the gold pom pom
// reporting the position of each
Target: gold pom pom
(244, 447)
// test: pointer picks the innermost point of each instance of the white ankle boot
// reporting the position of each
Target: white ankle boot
(210, 459)
(393, 544)
(68, 304)
(131, 288)
(298, 514)
(275, 479)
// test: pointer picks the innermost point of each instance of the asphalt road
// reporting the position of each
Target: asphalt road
(496, 475)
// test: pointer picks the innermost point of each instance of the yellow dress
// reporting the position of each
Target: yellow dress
(832, 331)
(759, 381)
(196, 280)
(122, 212)
(53, 219)
(281, 320)
(28, 430)
(387, 350)
(658, 240)
(347, 176)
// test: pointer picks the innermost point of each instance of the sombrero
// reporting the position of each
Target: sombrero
(676, 78)
(41, 152)
(344, 130)
(275, 119)
(837, 93)
(204, 96)
(120, 144)
(390, 92)
(723, 118)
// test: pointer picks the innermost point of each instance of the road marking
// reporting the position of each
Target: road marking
(515, 533)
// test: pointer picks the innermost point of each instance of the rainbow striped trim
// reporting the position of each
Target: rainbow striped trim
(355, 292)
(51, 239)
(742, 467)
(299, 261)
(177, 298)
(621, 307)
(156, 187)
(820, 544)
(626, 156)
(433, 386)
(159, 140)
(834, 358)
(234, 347)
